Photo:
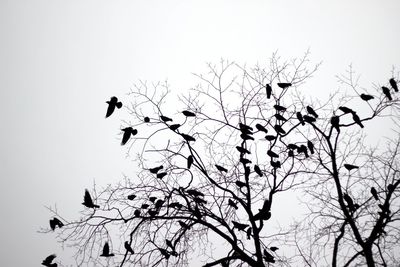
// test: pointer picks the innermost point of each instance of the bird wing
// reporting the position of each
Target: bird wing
(110, 109)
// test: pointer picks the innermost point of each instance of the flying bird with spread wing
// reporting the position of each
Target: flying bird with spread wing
(128, 132)
(55, 222)
(48, 261)
(112, 104)
(88, 202)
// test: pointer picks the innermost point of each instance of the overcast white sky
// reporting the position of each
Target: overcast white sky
(60, 60)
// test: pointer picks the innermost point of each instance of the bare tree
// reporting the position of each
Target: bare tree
(213, 163)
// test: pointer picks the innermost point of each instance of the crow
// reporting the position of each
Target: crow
(272, 154)
(300, 118)
(183, 225)
(239, 226)
(284, 85)
(393, 83)
(106, 251)
(279, 129)
(374, 193)
(232, 204)
(88, 202)
(386, 92)
(279, 117)
(335, 123)
(292, 146)
(245, 161)
(195, 193)
(152, 199)
(248, 233)
(311, 111)
(268, 257)
(246, 137)
(263, 213)
(261, 128)
(144, 206)
(152, 212)
(275, 164)
(159, 204)
(349, 200)
(245, 128)
(366, 97)
(131, 196)
(258, 170)
(156, 169)
(48, 261)
(146, 119)
(136, 213)
(310, 146)
(303, 149)
(390, 187)
(175, 205)
(128, 247)
(242, 150)
(112, 104)
(357, 120)
(270, 137)
(350, 167)
(309, 119)
(279, 108)
(55, 222)
(188, 113)
(174, 127)
(188, 138)
(346, 110)
(128, 132)
(220, 168)
(273, 248)
(165, 118)
(268, 90)
(161, 175)
(189, 161)
(240, 183)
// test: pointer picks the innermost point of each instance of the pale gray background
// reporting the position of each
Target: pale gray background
(60, 60)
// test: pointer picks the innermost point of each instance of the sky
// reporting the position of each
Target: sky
(61, 60)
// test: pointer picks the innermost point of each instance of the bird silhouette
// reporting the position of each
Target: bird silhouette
(275, 164)
(159, 204)
(273, 248)
(131, 196)
(174, 127)
(393, 84)
(303, 149)
(374, 193)
(240, 184)
(112, 104)
(106, 251)
(152, 212)
(175, 205)
(146, 119)
(272, 154)
(279, 129)
(311, 111)
(188, 113)
(136, 213)
(349, 200)
(242, 150)
(268, 90)
(261, 128)
(244, 161)
(248, 233)
(245, 128)
(195, 193)
(309, 119)
(232, 204)
(165, 118)
(310, 146)
(284, 85)
(156, 169)
(270, 137)
(128, 247)
(263, 213)
(350, 167)
(335, 123)
(258, 170)
(246, 137)
(220, 168)
(391, 187)
(239, 226)
(189, 161)
(183, 225)
(279, 108)
(386, 92)
(152, 199)
(188, 138)
(54, 223)
(346, 110)
(300, 118)
(88, 202)
(268, 257)
(48, 261)
(357, 120)
(145, 206)
(366, 97)
(292, 146)
(290, 153)
(279, 117)
(161, 175)
(128, 132)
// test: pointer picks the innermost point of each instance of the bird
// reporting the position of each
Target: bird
(366, 97)
(346, 110)
(279, 129)
(239, 226)
(309, 119)
(220, 168)
(292, 146)
(279, 108)
(189, 161)
(112, 104)
(393, 83)
(263, 213)
(335, 123)
(183, 225)
(273, 248)
(174, 127)
(357, 120)
(156, 169)
(244, 161)
(303, 149)
(268, 90)
(164, 252)
(258, 170)
(161, 175)
(261, 128)
(131, 196)
(144, 206)
(310, 146)
(246, 137)
(195, 193)
(242, 150)
(152, 212)
(54, 223)
(48, 261)
(272, 154)
(146, 119)
(165, 118)
(128, 132)
(300, 118)
(232, 204)
(136, 213)
(374, 193)
(270, 137)
(175, 205)
(279, 117)
(245, 128)
(106, 251)
(268, 257)
(275, 164)
(284, 85)
(88, 202)
(248, 233)
(386, 92)
(391, 187)
(311, 111)
(349, 201)
(350, 167)
(240, 184)
(188, 138)
(128, 247)
(291, 153)
(159, 204)
(188, 113)
(152, 199)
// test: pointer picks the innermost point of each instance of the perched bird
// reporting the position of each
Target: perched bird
(263, 213)
(242, 150)
(300, 118)
(146, 119)
(279, 117)
(195, 193)
(220, 168)
(152, 199)
(357, 120)
(292, 146)
(350, 167)
(188, 138)
(112, 104)
(159, 204)
(273, 248)
(106, 251)
(310, 146)
(244, 161)
(189, 161)
(366, 97)
(261, 128)
(279, 108)
(239, 226)
(270, 137)
(183, 225)
(284, 85)
(88, 202)
(174, 127)
(240, 184)
(245, 128)
(279, 129)
(386, 92)
(335, 123)
(246, 137)
(268, 257)
(136, 213)
(349, 200)
(232, 204)
(131, 196)
(272, 154)
(311, 111)
(145, 206)
(309, 119)
(128, 247)
(188, 113)
(374, 193)
(275, 164)
(156, 169)
(303, 149)
(128, 132)
(152, 212)
(54, 223)
(161, 175)
(165, 118)
(175, 205)
(165, 253)
(258, 170)
(248, 233)
(346, 110)
(393, 84)
(48, 261)
(268, 90)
